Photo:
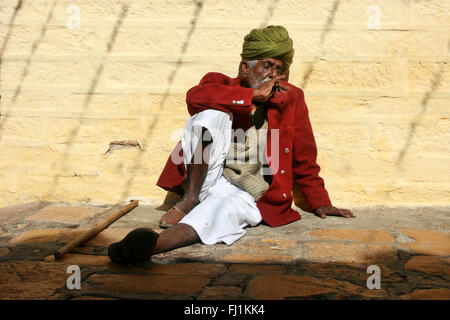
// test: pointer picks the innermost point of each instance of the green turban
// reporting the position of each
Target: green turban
(269, 42)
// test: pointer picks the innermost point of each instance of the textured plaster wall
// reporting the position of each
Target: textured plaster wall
(80, 77)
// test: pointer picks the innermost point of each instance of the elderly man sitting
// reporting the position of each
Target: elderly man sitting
(229, 180)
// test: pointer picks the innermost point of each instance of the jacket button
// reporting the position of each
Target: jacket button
(284, 195)
(234, 102)
(286, 150)
(282, 171)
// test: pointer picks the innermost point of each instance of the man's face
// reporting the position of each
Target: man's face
(263, 70)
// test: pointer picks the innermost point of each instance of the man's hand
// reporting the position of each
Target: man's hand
(267, 89)
(325, 211)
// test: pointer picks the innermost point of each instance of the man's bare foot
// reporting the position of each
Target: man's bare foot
(177, 212)
(187, 204)
(171, 217)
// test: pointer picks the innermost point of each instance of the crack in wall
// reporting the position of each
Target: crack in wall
(123, 144)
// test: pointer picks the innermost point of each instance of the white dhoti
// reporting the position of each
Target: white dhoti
(224, 209)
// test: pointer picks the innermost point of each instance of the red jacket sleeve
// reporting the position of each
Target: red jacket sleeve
(216, 91)
(305, 168)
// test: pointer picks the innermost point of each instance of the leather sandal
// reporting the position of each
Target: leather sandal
(136, 247)
(171, 217)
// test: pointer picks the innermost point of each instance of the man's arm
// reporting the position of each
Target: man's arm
(197, 171)
(215, 91)
(306, 170)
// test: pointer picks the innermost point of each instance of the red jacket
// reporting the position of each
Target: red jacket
(287, 111)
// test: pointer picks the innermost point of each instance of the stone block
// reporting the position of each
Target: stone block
(390, 13)
(32, 280)
(27, 13)
(22, 155)
(322, 75)
(187, 269)
(250, 269)
(106, 105)
(26, 100)
(92, 298)
(432, 242)
(12, 213)
(32, 188)
(425, 168)
(256, 258)
(221, 293)
(392, 43)
(20, 73)
(215, 44)
(234, 11)
(40, 236)
(108, 11)
(357, 235)
(429, 13)
(332, 45)
(265, 251)
(428, 76)
(19, 38)
(279, 287)
(429, 264)
(3, 251)
(63, 130)
(157, 73)
(377, 75)
(65, 213)
(356, 253)
(84, 259)
(62, 41)
(428, 294)
(144, 284)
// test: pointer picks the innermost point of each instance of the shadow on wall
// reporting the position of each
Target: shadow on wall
(424, 105)
(173, 74)
(87, 100)
(34, 47)
(10, 24)
(2, 51)
(326, 29)
(270, 11)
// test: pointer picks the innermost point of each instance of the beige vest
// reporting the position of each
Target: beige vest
(246, 158)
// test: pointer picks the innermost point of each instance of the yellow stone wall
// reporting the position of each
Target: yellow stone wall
(375, 73)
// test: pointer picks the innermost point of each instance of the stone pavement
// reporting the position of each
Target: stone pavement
(309, 259)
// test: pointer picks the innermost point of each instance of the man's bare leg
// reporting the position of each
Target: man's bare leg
(177, 236)
(142, 243)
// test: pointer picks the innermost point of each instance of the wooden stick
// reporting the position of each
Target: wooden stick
(93, 231)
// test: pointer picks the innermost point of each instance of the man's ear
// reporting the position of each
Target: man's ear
(244, 69)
